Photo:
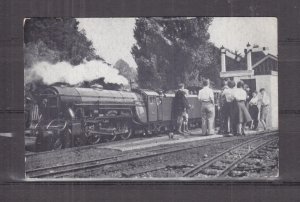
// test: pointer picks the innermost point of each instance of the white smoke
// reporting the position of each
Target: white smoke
(65, 72)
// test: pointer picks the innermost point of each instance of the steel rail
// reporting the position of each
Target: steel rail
(96, 163)
(224, 173)
(232, 165)
(50, 171)
(194, 171)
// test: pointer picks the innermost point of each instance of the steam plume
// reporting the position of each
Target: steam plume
(65, 72)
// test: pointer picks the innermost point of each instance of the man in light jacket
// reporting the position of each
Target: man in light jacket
(206, 97)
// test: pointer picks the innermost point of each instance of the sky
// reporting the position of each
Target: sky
(113, 37)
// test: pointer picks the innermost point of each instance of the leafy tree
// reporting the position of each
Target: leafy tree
(58, 36)
(173, 50)
(37, 52)
(125, 70)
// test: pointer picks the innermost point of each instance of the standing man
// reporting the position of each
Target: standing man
(206, 97)
(264, 107)
(228, 108)
(180, 107)
(222, 108)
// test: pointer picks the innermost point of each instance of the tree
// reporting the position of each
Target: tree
(173, 50)
(37, 52)
(59, 36)
(125, 70)
(53, 40)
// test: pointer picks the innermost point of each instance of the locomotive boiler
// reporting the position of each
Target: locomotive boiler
(73, 116)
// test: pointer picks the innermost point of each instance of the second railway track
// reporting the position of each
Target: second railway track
(222, 164)
(65, 170)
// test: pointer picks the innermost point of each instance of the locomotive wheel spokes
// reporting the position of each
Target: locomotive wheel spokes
(145, 133)
(68, 138)
(128, 134)
(93, 139)
(58, 144)
(110, 138)
(79, 141)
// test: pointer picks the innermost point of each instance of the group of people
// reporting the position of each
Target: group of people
(239, 108)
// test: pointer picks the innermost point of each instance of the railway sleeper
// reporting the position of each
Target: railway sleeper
(255, 156)
(218, 167)
(234, 173)
(209, 171)
(226, 161)
(249, 169)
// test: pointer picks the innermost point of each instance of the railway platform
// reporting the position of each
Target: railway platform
(195, 135)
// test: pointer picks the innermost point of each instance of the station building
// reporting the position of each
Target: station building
(258, 70)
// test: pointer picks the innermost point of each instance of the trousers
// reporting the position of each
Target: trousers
(253, 110)
(208, 117)
(225, 111)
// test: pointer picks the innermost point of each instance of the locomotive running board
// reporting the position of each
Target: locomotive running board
(104, 132)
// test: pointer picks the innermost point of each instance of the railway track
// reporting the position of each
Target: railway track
(32, 154)
(190, 173)
(222, 164)
(66, 170)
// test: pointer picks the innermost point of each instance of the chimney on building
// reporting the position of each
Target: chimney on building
(223, 59)
(248, 52)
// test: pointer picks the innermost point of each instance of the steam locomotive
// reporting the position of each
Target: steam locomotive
(78, 116)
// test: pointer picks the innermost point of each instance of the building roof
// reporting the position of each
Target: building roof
(261, 63)
(257, 56)
(266, 65)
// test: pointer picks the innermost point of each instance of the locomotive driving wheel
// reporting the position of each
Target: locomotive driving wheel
(110, 138)
(79, 141)
(68, 138)
(94, 139)
(59, 126)
(57, 144)
(127, 132)
(91, 138)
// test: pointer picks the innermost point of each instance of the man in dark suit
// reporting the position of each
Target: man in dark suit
(180, 107)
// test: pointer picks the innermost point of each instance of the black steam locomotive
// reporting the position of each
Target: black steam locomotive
(78, 116)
